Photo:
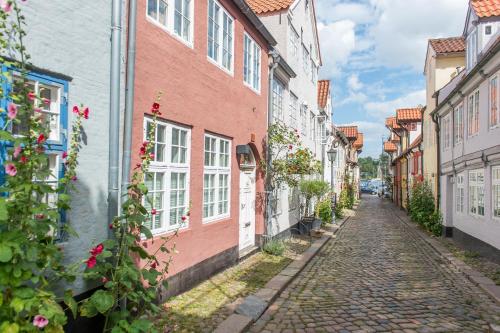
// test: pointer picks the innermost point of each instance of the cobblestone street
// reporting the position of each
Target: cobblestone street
(378, 276)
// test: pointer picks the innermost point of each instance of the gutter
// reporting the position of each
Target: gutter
(254, 19)
(114, 114)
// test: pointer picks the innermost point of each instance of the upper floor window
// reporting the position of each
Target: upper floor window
(167, 178)
(294, 42)
(476, 192)
(494, 109)
(277, 99)
(303, 119)
(175, 16)
(473, 113)
(305, 59)
(446, 136)
(294, 107)
(495, 187)
(314, 71)
(472, 49)
(459, 194)
(216, 178)
(251, 62)
(220, 35)
(458, 124)
(312, 126)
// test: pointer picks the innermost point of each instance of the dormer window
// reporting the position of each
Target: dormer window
(472, 49)
(487, 30)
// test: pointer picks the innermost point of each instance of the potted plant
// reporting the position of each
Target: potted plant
(312, 190)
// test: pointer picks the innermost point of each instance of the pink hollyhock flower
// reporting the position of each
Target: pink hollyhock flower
(290, 147)
(17, 151)
(152, 156)
(110, 226)
(38, 110)
(46, 101)
(97, 250)
(153, 264)
(64, 154)
(74, 178)
(142, 150)
(76, 110)
(153, 211)
(31, 95)
(183, 218)
(12, 111)
(41, 138)
(86, 113)
(40, 321)
(11, 170)
(24, 159)
(39, 216)
(91, 262)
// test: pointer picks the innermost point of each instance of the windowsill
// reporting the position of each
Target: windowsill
(224, 69)
(166, 232)
(173, 34)
(251, 88)
(217, 219)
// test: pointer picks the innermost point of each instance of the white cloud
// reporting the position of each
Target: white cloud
(383, 109)
(338, 41)
(372, 135)
(353, 82)
(334, 11)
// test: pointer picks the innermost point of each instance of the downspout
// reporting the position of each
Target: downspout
(438, 145)
(275, 61)
(129, 95)
(114, 114)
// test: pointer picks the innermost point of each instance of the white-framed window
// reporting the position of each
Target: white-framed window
(277, 99)
(303, 119)
(175, 16)
(251, 62)
(495, 188)
(312, 125)
(494, 108)
(314, 71)
(294, 107)
(220, 36)
(216, 178)
(458, 124)
(305, 59)
(476, 192)
(459, 194)
(473, 113)
(294, 42)
(167, 178)
(472, 49)
(446, 132)
(49, 108)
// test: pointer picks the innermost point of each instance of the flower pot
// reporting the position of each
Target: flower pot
(316, 224)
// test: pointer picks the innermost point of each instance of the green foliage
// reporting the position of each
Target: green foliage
(338, 210)
(324, 211)
(275, 247)
(368, 167)
(347, 195)
(422, 210)
(312, 189)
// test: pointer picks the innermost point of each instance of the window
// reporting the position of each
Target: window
(473, 114)
(167, 178)
(175, 16)
(216, 178)
(446, 136)
(277, 98)
(459, 194)
(495, 187)
(458, 124)
(251, 63)
(314, 71)
(294, 105)
(487, 30)
(312, 125)
(476, 192)
(303, 119)
(494, 110)
(472, 49)
(294, 42)
(220, 35)
(305, 59)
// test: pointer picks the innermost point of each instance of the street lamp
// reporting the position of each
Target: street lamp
(332, 157)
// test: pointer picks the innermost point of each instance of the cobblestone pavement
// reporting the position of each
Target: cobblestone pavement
(378, 276)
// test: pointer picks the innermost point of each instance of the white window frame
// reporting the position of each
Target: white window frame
(460, 193)
(475, 188)
(472, 49)
(167, 168)
(491, 107)
(305, 59)
(293, 110)
(303, 120)
(495, 192)
(219, 53)
(278, 100)
(252, 62)
(473, 114)
(294, 41)
(446, 125)
(458, 124)
(217, 171)
(170, 19)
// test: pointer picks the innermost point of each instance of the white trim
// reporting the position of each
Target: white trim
(251, 69)
(493, 184)
(477, 185)
(220, 41)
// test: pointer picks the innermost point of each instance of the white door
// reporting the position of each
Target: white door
(247, 208)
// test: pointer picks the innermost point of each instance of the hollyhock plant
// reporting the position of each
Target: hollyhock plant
(41, 138)
(11, 169)
(97, 250)
(17, 151)
(40, 321)
(12, 111)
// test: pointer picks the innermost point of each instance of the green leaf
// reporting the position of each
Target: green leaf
(142, 325)
(4, 215)
(9, 327)
(17, 304)
(5, 253)
(146, 232)
(88, 309)
(70, 302)
(102, 300)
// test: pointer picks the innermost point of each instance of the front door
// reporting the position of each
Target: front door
(247, 208)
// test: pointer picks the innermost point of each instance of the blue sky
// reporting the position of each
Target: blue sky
(374, 53)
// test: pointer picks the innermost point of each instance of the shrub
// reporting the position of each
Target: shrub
(275, 247)
(338, 211)
(313, 189)
(324, 211)
(422, 209)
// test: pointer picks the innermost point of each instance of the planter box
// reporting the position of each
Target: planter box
(306, 225)
(316, 225)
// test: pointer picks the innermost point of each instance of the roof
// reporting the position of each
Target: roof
(358, 144)
(448, 45)
(351, 132)
(396, 139)
(252, 17)
(409, 115)
(392, 123)
(389, 147)
(323, 92)
(416, 142)
(486, 8)
(265, 6)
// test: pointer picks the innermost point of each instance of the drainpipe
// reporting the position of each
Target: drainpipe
(438, 145)
(129, 95)
(275, 61)
(114, 114)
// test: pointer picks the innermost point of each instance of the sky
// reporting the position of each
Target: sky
(373, 51)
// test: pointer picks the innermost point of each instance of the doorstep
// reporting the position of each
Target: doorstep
(248, 310)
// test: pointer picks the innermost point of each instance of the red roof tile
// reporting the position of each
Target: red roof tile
(358, 144)
(392, 123)
(351, 132)
(486, 8)
(323, 92)
(265, 6)
(389, 147)
(409, 115)
(448, 45)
